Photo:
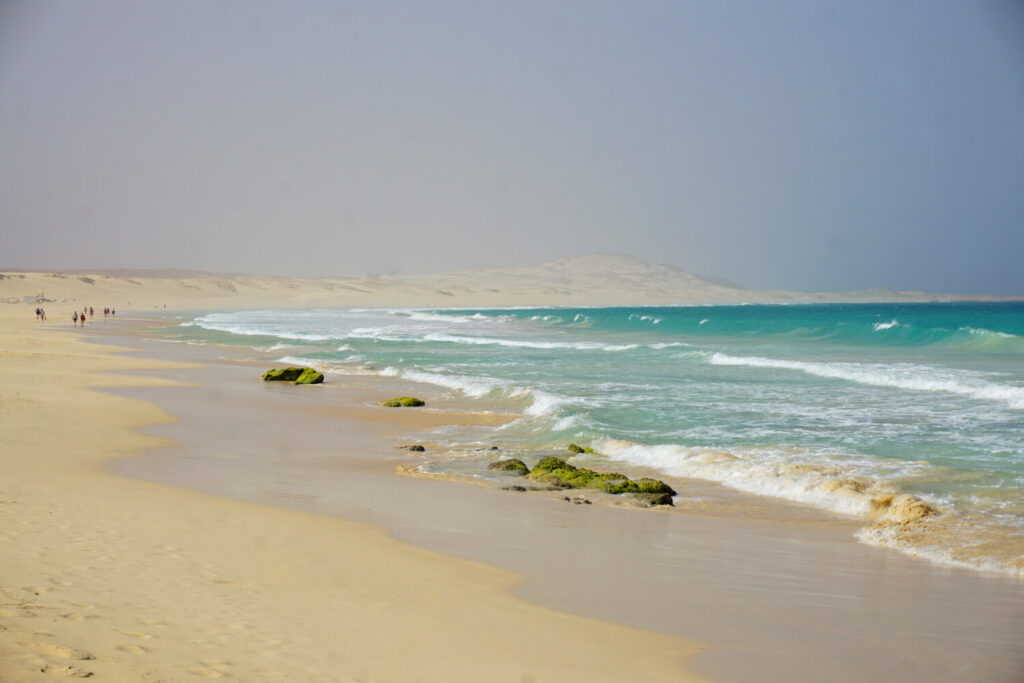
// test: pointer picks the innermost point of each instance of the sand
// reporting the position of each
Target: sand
(127, 580)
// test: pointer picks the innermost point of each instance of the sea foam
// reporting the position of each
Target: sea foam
(897, 376)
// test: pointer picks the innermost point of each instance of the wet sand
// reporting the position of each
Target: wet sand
(777, 599)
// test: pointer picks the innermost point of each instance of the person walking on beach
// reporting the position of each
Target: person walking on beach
(37, 313)
(91, 312)
(42, 312)
(74, 319)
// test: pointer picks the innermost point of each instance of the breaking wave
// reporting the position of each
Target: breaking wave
(897, 376)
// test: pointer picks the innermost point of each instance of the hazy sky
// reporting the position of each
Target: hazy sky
(799, 145)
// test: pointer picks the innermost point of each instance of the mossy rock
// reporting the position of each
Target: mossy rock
(310, 376)
(577, 449)
(294, 375)
(552, 463)
(512, 466)
(653, 499)
(654, 486)
(619, 486)
(403, 402)
(282, 375)
(560, 474)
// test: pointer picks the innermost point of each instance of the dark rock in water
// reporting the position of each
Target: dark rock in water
(403, 402)
(416, 448)
(512, 466)
(653, 499)
(294, 375)
(494, 448)
(574, 448)
(514, 488)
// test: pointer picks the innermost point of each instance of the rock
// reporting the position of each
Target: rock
(654, 486)
(416, 448)
(559, 474)
(310, 376)
(494, 448)
(512, 466)
(514, 488)
(294, 375)
(619, 486)
(653, 499)
(403, 402)
(575, 449)
(552, 463)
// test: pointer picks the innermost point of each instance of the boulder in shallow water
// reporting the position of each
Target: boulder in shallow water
(512, 466)
(403, 402)
(653, 499)
(310, 376)
(654, 486)
(294, 375)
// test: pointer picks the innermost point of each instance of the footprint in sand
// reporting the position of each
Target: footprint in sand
(133, 634)
(58, 651)
(133, 649)
(80, 617)
(65, 671)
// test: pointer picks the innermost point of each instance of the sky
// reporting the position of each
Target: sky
(804, 145)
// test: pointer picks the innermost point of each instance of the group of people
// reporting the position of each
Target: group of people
(40, 313)
(77, 318)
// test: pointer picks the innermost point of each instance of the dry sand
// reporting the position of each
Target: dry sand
(126, 580)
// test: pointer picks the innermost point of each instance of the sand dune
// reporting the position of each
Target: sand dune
(599, 279)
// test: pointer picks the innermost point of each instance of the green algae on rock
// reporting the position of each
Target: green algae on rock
(560, 474)
(576, 449)
(294, 375)
(403, 402)
(511, 465)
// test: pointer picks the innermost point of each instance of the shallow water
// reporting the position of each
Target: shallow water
(909, 418)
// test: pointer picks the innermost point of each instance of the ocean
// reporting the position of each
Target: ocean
(906, 417)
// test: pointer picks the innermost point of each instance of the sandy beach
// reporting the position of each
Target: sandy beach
(314, 560)
(120, 579)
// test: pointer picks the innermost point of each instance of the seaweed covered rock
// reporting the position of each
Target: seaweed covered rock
(552, 463)
(653, 499)
(511, 465)
(577, 449)
(294, 375)
(310, 376)
(403, 402)
(560, 474)
(654, 486)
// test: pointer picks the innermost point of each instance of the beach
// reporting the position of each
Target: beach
(139, 548)
(120, 579)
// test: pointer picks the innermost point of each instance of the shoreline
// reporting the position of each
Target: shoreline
(131, 580)
(895, 587)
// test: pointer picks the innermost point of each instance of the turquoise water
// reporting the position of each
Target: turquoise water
(858, 409)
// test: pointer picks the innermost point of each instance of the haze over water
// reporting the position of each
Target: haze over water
(880, 412)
